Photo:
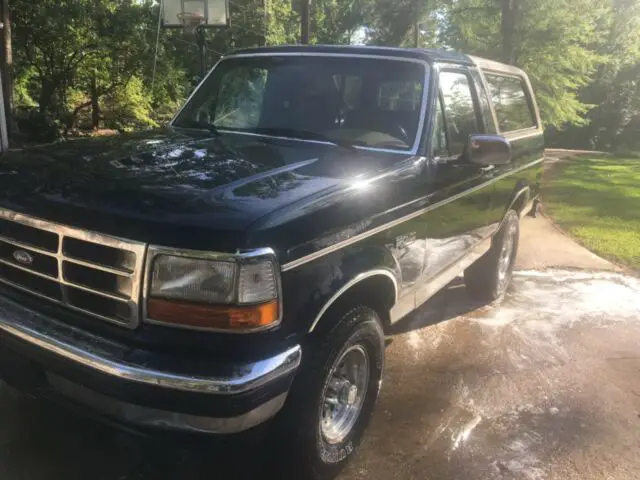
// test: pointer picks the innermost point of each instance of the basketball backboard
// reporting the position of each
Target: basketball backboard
(208, 13)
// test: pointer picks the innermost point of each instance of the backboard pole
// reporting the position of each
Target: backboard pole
(202, 47)
(305, 21)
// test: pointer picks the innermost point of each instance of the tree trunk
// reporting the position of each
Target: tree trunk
(305, 21)
(47, 90)
(95, 104)
(265, 36)
(508, 29)
(7, 66)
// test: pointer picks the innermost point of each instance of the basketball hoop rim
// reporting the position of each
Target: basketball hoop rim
(192, 21)
(182, 16)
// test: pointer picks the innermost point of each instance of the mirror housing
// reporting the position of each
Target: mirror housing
(488, 150)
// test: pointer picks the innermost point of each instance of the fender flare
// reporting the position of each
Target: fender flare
(525, 190)
(351, 283)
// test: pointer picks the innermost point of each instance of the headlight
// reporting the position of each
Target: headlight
(193, 279)
(230, 294)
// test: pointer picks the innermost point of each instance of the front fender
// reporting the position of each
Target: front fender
(311, 288)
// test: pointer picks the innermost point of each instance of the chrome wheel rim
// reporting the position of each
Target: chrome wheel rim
(344, 394)
(506, 253)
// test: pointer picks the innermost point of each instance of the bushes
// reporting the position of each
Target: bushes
(36, 127)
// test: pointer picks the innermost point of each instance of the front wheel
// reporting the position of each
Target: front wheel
(334, 394)
(488, 278)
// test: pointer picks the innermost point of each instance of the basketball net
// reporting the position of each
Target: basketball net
(191, 21)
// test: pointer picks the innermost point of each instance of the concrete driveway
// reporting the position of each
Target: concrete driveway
(543, 385)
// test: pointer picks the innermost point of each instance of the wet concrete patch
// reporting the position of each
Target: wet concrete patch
(522, 389)
(542, 385)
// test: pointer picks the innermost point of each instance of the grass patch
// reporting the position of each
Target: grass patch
(597, 200)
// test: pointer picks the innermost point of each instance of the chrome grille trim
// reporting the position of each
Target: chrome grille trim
(131, 299)
(23, 245)
(96, 266)
(28, 270)
(102, 293)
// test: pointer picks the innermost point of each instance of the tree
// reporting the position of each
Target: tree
(6, 57)
(552, 40)
(120, 55)
(336, 21)
(615, 90)
(54, 38)
(92, 63)
(75, 53)
(393, 22)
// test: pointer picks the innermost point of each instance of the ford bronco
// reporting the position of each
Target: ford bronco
(243, 264)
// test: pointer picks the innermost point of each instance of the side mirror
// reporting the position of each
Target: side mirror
(488, 150)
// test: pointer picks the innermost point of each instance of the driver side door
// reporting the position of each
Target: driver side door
(459, 220)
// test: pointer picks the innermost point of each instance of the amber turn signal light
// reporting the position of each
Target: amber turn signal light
(219, 317)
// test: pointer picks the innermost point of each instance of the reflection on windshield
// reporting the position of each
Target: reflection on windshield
(360, 101)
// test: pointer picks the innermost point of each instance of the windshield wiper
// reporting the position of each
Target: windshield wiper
(304, 135)
(196, 125)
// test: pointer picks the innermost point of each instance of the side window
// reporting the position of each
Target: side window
(240, 97)
(510, 101)
(459, 110)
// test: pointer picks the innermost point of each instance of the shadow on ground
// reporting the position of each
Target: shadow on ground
(39, 440)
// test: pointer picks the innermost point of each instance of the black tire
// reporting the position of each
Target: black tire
(535, 209)
(315, 457)
(487, 280)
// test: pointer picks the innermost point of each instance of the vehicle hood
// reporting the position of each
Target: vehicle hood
(190, 190)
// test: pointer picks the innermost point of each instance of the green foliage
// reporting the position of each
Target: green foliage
(554, 42)
(393, 22)
(75, 57)
(129, 108)
(336, 21)
(23, 88)
(93, 63)
(282, 23)
(615, 121)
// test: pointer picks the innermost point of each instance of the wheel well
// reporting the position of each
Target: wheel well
(377, 292)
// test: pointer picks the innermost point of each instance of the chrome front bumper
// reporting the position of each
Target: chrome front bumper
(87, 351)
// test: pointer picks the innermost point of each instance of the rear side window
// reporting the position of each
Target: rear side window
(511, 103)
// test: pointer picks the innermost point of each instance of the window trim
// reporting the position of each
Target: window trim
(440, 104)
(422, 122)
(528, 96)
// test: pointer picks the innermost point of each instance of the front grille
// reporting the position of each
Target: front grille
(89, 272)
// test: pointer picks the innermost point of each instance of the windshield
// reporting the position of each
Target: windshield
(370, 102)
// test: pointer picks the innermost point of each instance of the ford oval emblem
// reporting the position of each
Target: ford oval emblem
(23, 257)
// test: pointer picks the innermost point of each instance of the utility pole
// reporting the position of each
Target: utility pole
(417, 34)
(265, 5)
(508, 30)
(201, 40)
(305, 21)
